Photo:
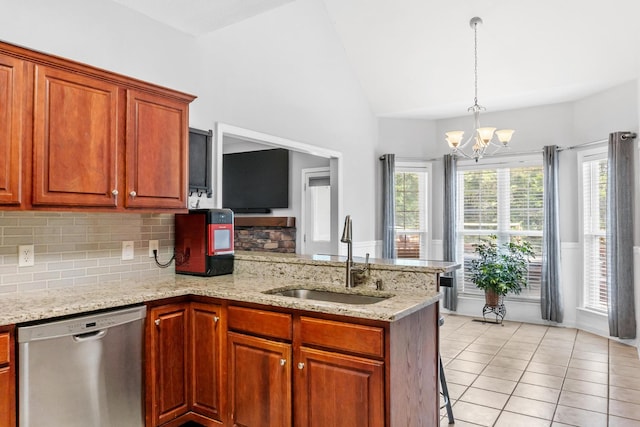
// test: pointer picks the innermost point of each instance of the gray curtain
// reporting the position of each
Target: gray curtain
(620, 190)
(450, 300)
(551, 306)
(388, 205)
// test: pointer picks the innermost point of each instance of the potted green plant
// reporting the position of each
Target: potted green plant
(500, 269)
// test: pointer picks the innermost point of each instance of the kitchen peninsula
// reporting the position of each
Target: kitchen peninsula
(378, 361)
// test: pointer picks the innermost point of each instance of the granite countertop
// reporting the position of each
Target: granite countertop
(240, 287)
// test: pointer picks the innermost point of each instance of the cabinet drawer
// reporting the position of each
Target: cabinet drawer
(260, 322)
(365, 340)
(5, 354)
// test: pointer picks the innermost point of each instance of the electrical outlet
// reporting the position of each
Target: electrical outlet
(153, 245)
(26, 256)
(127, 250)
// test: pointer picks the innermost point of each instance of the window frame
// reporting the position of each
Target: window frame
(494, 163)
(426, 168)
(584, 156)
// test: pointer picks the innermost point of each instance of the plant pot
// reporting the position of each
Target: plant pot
(492, 299)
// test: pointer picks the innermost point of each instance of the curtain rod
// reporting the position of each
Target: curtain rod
(413, 159)
(584, 144)
(629, 135)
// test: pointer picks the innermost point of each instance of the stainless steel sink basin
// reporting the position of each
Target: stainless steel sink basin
(322, 295)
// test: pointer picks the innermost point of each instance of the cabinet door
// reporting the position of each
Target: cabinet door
(12, 88)
(7, 379)
(75, 140)
(338, 390)
(259, 381)
(206, 354)
(167, 374)
(7, 397)
(157, 151)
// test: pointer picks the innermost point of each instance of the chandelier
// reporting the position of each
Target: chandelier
(481, 140)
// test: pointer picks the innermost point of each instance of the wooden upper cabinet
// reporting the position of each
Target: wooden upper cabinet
(74, 136)
(157, 151)
(12, 116)
(75, 140)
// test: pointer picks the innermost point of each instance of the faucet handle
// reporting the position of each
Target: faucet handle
(346, 232)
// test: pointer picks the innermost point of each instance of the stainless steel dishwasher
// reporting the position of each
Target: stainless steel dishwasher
(82, 371)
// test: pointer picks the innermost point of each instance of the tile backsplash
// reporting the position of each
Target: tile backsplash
(74, 249)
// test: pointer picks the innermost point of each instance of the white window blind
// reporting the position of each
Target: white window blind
(506, 200)
(412, 208)
(594, 199)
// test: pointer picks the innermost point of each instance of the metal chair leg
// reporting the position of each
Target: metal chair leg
(445, 392)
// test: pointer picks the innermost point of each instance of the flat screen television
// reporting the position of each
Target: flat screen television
(255, 181)
(200, 146)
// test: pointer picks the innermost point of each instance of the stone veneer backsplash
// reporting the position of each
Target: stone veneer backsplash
(74, 249)
(265, 239)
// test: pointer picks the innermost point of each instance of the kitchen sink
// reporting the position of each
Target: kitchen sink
(323, 295)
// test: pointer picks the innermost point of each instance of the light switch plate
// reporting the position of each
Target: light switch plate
(127, 250)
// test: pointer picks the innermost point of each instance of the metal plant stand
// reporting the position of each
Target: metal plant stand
(499, 310)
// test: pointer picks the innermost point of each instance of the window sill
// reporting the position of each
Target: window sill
(592, 312)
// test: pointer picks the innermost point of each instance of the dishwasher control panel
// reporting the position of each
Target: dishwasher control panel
(80, 325)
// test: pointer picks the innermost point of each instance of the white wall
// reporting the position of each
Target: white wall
(408, 138)
(565, 125)
(285, 73)
(106, 35)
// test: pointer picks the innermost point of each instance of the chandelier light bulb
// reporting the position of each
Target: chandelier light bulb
(485, 134)
(504, 135)
(454, 138)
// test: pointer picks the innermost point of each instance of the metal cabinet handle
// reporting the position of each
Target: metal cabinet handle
(114, 192)
(157, 322)
(283, 362)
(300, 365)
(133, 194)
(216, 319)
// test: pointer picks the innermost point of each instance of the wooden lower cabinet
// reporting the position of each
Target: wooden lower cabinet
(207, 349)
(7, 378)
(339, 390)
(167, 363)
(185, 361)
(215, 363)
(259, 381)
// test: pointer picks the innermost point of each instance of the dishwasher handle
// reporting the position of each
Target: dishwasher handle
(90, 336)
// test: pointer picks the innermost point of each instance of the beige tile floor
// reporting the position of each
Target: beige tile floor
(528, 375)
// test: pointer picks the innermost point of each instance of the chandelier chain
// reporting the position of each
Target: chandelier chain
(475, 64)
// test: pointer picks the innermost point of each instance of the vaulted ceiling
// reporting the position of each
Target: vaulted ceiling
(415, 58)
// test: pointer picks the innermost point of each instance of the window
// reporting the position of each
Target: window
(412, 196)
(594, 226)
(506, 200)
(320, 203)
